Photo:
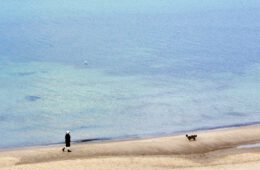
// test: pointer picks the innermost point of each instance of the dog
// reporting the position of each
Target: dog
(191, 137)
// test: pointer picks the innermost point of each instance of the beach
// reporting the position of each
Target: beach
(129, 79)
(231, 148)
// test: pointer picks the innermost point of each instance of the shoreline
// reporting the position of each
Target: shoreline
(133, 137)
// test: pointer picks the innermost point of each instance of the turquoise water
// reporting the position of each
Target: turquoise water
(152, 68)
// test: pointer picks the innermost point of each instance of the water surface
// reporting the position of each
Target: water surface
(153, 68)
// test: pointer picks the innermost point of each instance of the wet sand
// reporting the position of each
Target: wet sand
(216, 149)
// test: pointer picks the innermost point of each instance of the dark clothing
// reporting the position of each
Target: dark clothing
(67, 140)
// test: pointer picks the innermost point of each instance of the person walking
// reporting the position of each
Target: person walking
(67, 142)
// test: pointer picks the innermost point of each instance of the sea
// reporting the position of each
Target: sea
(121, 69)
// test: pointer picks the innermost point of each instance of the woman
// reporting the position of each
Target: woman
(67, 142)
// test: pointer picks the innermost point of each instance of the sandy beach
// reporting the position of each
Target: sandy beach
(217, 149)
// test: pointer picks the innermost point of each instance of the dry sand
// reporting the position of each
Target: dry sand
(215, 149)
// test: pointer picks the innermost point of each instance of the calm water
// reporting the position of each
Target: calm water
(152, 68)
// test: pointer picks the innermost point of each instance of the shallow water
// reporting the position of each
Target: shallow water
(151, 69)
(256, 145)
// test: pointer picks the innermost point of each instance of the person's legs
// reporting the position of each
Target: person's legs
(66, 148)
